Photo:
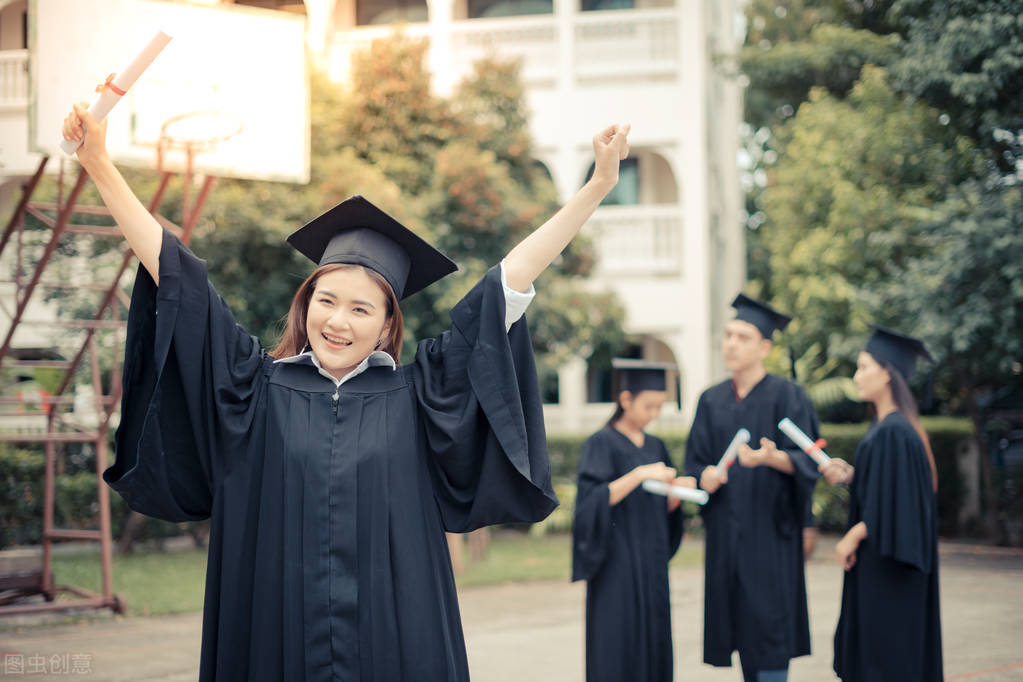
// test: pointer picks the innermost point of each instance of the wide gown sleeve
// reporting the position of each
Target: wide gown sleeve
(479, 398)
(699, 454)
(591, 528)
(190, 374)
(896, 499)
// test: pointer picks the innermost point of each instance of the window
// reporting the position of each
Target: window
(596, 5)
(599, 377)
(507, 8)
(626, 192)
(370, 12)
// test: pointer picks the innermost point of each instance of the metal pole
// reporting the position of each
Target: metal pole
(58, 229)
(26, 194)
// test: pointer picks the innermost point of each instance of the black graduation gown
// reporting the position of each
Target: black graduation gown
(327, 555)
(623, 552)
(890, 626)
(755, 592)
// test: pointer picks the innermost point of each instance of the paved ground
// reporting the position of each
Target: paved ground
(535, 631)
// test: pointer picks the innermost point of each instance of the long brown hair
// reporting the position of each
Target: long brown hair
(905, 403)
(619, 411)
(294, 339)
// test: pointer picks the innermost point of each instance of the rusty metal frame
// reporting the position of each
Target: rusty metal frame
(106, 317)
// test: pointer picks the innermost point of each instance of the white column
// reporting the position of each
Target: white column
(565, 170)
(572, 393)
(696, 349)
(441, 59)
(319, 25)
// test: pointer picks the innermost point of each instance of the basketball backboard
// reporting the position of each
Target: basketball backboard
(243, 68)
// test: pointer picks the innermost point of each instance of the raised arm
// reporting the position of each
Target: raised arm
(138, 226)
(532, 255)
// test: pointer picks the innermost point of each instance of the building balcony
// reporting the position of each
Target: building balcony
(13, 80)
(634, 44)
(640, 240)
(15, 158)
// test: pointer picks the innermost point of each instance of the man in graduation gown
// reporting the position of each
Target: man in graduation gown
(755, 593)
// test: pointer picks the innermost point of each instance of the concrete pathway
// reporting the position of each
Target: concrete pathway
(534, 631)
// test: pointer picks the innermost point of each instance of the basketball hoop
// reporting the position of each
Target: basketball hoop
(199, 131)
(195, 132)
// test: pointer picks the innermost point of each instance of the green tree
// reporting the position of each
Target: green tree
(964, 294)
(845, 202)
(965, 57)
(459, 170)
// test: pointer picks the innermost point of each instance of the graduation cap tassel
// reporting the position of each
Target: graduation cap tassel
(792, 363)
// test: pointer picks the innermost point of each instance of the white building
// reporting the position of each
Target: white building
(672, 244)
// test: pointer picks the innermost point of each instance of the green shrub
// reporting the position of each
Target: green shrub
(830, 503)
(76, 505)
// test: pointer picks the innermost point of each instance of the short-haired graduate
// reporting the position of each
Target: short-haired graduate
(889, 629)
(329, 471)
(623, 536)
(755, 592)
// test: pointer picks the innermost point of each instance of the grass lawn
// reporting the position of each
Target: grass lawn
(157, 583)
(151, 583)
(520, 557)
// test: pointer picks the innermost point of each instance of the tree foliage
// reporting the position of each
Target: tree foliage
(965, 57)
(459, 170)
(884, 170)
(845, 203)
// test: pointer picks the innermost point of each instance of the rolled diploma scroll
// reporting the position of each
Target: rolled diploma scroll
(789, 428)
(676, 491)
(741, 437)
(124, 79)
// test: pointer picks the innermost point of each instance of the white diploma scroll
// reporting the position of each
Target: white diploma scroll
(741, 437)
(676, 491)
(117, 85)
(803, 441)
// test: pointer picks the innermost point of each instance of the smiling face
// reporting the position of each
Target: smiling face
(743, 346)
(346, 319)
(872, 380)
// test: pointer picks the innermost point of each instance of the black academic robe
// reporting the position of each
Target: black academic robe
(327, 555)
(623, 552)
(890, 626)
(754, 586)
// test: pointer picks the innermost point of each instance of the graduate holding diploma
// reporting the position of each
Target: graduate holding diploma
(329, 472)
(624, 536)
(755, 600)
(890, 626)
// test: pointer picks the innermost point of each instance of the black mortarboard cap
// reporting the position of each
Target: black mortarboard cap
(634, 375)
(357, 232)
(897, 349)
(760, 315)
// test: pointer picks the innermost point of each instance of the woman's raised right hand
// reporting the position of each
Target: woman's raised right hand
(80, 126)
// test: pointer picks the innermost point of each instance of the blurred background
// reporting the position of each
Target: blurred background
(849, 162)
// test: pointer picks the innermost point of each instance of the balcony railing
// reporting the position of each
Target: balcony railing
(637, 239)
(532, 39)
(623, 43)
(634, 43)
(13, 78)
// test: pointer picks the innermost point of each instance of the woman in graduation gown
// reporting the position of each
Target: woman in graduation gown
(330, 473)
(623, 536)
(889, 629)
